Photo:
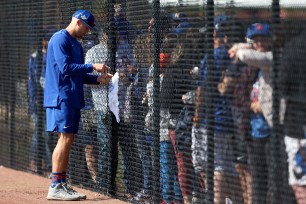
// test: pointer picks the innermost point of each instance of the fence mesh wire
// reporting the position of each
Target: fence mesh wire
(211, 95)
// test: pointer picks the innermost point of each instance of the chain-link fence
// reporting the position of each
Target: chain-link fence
(211, 97)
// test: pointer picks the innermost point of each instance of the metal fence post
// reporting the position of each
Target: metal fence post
(156, 106)
(275, 142)
(209, 100)
(38, 109)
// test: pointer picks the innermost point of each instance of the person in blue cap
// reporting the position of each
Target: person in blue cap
(33, 97)
(32, 93)
(226, 180)
(180, 23)
(258, 55)
(65, 76)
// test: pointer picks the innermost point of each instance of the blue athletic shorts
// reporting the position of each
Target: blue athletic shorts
(63, 119)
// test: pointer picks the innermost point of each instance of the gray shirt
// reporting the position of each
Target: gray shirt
(262, 60)
(96, 55)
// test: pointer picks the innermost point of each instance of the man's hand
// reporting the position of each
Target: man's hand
(103, 68)
(233, 50)
(123, 77)
(104, 79)
(131, 69)
(255, 107)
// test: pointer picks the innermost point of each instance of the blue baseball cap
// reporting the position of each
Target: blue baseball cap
(259, 29)
(86, 17)
(219, 21)
(179, 17)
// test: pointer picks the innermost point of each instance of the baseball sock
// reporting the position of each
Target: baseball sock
(63, 177)
(56, 178)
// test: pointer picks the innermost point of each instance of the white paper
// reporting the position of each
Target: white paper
(113, 102)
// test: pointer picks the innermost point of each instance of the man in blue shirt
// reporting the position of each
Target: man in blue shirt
(226, 179)
(66, 74)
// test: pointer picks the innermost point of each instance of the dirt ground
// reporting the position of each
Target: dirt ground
(17, 187)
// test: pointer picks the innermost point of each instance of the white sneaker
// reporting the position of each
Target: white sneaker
(61, 193)
(71, 190)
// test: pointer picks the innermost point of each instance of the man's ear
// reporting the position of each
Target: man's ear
(79, 22)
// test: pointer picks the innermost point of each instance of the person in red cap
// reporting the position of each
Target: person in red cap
(65, 76)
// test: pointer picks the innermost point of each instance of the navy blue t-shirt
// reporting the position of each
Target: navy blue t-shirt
(222, 111)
